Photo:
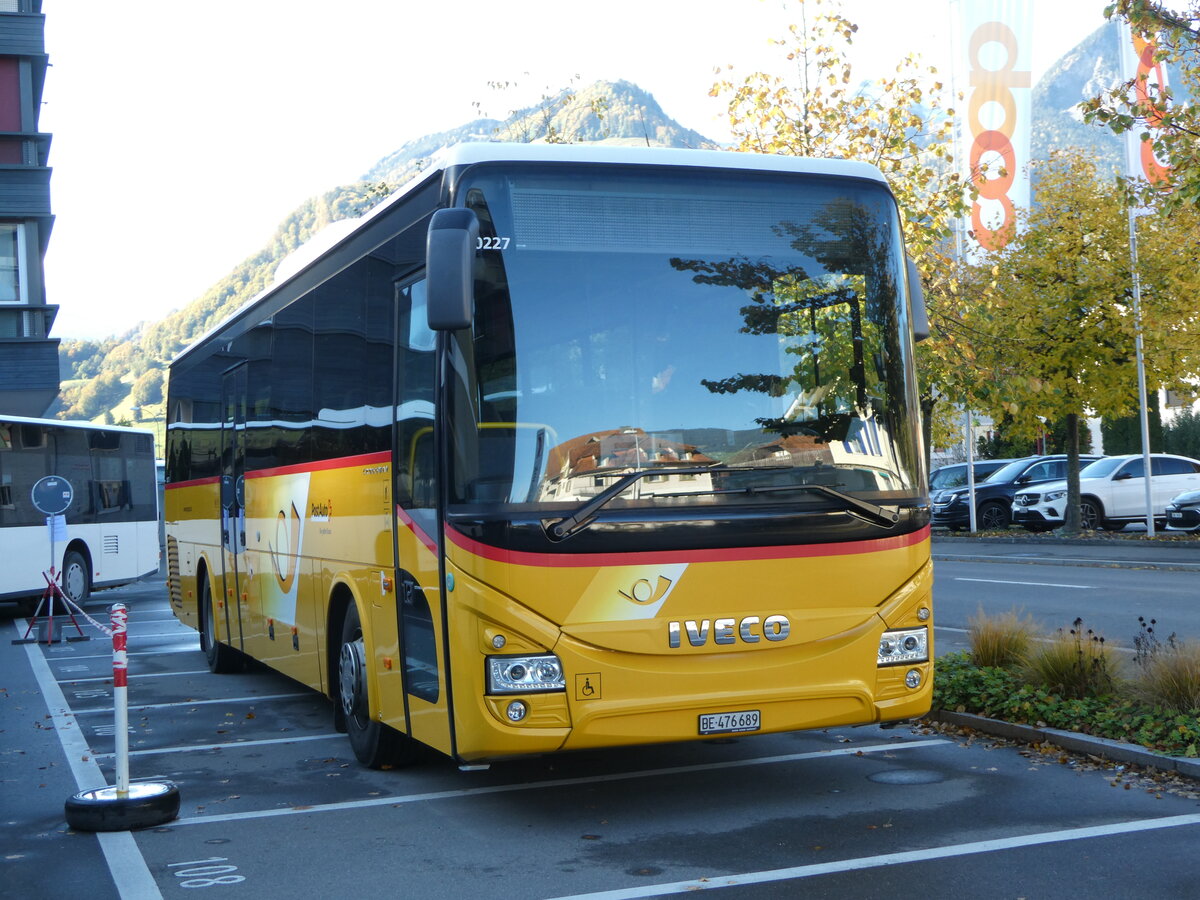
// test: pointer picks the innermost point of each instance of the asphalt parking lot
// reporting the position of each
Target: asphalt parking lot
(274, 803)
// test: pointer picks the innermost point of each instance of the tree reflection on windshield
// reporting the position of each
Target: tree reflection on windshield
(677, 322)
(819, 320)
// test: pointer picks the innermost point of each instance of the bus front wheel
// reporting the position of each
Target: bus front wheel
(375, 744)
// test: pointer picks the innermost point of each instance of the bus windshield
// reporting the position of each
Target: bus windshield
(729, 336)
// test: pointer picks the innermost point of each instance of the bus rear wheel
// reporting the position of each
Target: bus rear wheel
(75, 580)
(222, 659)
(375, 744)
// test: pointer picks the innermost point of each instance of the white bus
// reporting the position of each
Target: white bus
(112, 521)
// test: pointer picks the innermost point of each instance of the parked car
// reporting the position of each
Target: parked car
(1183, 512)
(1112, 492)
(994, 495)
(955, 474)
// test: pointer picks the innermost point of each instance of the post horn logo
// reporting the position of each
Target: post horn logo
(644, 593)
(287, 534)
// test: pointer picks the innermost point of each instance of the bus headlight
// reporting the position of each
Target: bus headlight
(903, 646)
(522, 674)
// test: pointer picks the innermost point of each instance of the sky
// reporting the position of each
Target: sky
(185, 131)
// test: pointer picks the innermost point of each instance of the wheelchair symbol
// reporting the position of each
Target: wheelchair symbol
(587, 686)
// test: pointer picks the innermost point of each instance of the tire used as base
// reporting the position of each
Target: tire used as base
(148, 804)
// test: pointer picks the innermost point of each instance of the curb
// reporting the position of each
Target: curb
(1073, 741)
(1140, 553)
(1164, 565)
(1180, 544)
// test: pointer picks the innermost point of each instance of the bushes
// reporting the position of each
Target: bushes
(1075, 681)
(1182, 435)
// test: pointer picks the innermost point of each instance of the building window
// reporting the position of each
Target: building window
(12, 252)
(1177, 400)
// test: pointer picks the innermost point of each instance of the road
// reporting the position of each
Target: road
(1108, 586)
(274, 803)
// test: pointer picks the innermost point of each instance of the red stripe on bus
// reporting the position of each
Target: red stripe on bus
(343, 462)
(408, 522)
(730, 554)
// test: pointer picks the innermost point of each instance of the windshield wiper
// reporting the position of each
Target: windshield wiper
(880, 515)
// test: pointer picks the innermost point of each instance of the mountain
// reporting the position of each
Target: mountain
(121, 379)
(602, 113)
(1085, 71)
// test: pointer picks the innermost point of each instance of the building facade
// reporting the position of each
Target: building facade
(29, 375)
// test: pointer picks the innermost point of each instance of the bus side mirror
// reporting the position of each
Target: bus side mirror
(916, 300)
(449, 269)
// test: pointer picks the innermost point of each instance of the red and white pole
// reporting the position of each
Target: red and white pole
(123, 807)
(120, 623)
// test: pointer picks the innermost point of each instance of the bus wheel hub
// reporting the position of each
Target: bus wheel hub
(352, 677)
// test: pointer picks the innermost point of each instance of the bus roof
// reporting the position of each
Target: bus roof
(601, 154)
(63, 423)
(327, 243)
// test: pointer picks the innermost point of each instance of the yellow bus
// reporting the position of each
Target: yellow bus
(568, 447)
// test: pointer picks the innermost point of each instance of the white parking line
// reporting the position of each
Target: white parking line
(227, 745)
(891, 859)
(178, 633)
(190, 648)
(1078, 587)
(137, 676)
(1057, 560)
(557, 782)
(125, 861)
(88, 712)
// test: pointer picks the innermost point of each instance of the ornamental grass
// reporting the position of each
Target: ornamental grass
(1075, 680)
(1074, 664)
(1002, 640)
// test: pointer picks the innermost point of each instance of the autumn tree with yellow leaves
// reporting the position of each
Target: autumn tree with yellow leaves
(903, 125)
(1057, 304)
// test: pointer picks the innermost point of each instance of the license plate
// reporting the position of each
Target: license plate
(1175, 515)
(730, 722)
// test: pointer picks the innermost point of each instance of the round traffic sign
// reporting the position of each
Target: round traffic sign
(52, 495)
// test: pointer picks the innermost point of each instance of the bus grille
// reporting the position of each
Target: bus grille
(174, 588)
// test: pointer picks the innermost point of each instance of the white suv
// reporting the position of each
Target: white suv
(1112, 492)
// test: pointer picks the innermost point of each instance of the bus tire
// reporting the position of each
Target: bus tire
(222, 659)
(148, 804)
(75, 582)
(375, 744)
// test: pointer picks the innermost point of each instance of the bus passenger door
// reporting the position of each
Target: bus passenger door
(233, 504)
(419, 605)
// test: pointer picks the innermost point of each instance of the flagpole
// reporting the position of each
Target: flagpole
(1143, 406)
(1132, 63)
